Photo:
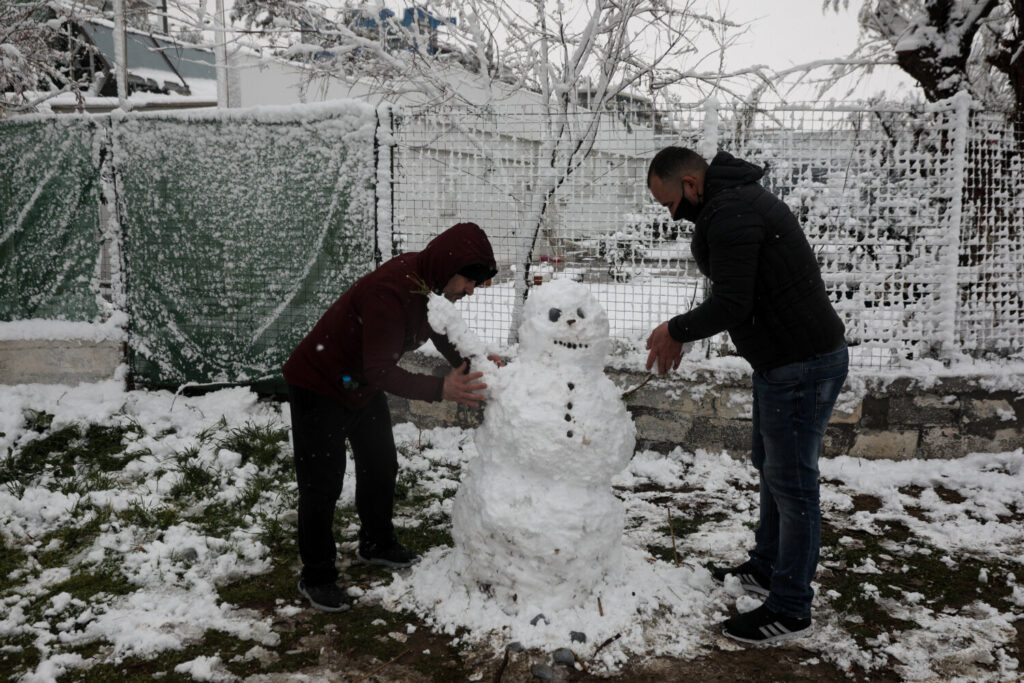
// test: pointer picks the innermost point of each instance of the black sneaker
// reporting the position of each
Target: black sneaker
(326, 598)
(763, 626)
(392, 554)
(751, 580)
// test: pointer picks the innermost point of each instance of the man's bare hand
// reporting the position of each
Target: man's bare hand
(462, 387)
(664, 350)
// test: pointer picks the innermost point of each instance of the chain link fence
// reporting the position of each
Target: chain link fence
(915, 212)
(50, 228)
(231, 232)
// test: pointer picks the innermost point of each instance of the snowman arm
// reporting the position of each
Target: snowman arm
(445, 319)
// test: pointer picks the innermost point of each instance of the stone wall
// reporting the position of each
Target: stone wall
(896, 419)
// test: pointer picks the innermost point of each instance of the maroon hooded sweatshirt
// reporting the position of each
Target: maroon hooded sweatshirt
(379, 318)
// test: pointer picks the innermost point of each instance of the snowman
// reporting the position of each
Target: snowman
(534, 521)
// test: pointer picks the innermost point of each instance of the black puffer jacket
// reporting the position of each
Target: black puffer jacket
(766, 287)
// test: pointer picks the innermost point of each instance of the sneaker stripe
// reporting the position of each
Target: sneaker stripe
(750, 582)
(774, 630)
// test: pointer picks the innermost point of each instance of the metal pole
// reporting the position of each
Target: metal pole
(120, 55)
(221, 52)
(950, 255)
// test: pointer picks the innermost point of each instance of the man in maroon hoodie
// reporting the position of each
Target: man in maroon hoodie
(337, 379)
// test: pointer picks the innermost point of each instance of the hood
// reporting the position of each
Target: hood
(461, 245)
(727, 171)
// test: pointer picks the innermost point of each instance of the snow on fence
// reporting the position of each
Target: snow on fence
(915, 212)
(228, 233)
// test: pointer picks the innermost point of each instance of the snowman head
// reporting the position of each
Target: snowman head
(564, 323)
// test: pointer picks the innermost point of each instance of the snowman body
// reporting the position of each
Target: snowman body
(535, 522)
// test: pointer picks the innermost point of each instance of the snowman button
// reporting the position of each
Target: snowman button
(571, 386)
(569, 405)
(568, 417)
(569, 433)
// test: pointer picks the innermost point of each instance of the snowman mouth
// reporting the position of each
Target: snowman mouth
(572, 345)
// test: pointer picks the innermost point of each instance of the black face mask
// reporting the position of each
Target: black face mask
(687, 210)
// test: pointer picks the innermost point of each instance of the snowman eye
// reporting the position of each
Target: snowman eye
(554, 314)
(580, 313)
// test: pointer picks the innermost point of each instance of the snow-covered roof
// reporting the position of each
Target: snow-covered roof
(173, 62)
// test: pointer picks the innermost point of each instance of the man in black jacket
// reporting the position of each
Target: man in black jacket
(767, 292)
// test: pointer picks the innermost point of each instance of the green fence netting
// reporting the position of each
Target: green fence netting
(239, 230)
(49, 219)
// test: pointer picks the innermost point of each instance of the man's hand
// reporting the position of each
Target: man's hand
(663, 349)
(462, 387)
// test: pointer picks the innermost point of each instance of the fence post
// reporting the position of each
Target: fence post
(707, 147)
(384, 185)
(111, 235)
(946, 334)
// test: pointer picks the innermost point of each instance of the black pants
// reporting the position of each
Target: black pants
(319, 429)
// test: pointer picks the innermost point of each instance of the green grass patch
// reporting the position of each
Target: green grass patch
(684, 526)
(105, 578)
(663, 553)
(262, 591)
(219, 519)
(95, 448)
(161, 666)
(20, 655)
(149, 516)
(259, 444)
(422, 538)
(10, 559)
(944, 584)
(197, 482)
(74, 538)
(38, 420)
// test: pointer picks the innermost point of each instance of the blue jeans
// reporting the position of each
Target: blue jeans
(792, 406)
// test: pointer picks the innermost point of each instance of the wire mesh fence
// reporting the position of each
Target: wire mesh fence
(914, 212)
(239, 229)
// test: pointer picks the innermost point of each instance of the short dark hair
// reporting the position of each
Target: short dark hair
(673, 162)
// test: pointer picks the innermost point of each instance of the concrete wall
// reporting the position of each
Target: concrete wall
(64, 361)
(947, 419)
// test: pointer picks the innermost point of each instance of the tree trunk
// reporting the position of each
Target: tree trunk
(942, 72)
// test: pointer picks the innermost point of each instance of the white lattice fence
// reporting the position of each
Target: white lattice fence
(915, 213)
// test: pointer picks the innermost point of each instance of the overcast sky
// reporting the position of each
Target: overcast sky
(784, 33)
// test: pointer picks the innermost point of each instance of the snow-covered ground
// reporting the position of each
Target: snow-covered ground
(900, 539)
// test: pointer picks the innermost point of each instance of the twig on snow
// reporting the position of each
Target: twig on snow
(673, 534)
(390, 661)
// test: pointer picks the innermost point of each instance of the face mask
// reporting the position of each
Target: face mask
(686, 210)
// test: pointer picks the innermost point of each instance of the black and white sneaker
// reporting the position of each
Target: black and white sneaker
(763, 626)
(751, 580)
(392, 554)
(326, 598)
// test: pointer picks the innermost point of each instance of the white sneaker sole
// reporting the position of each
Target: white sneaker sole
(386, 563)
(319, 606)
(769, 640)
(748, 584)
